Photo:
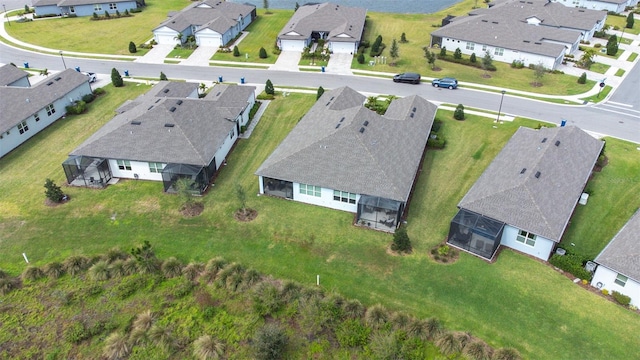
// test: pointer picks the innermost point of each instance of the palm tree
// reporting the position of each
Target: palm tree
(179, 36)
(203, 88)
(207, 348)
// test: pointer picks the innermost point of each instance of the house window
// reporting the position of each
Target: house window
(470, 46)
(232, 133)
(310, 190)
(621, 280)
(22, 127)
(97, 7)
(498, 51)
(50, 109)
(36, 117)
(155, 167)
(72, 9)
(484, 48)
(526, 238)
(124, 165)
(113, 6)
(344, 196)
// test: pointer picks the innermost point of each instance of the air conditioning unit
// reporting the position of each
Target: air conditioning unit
(590, 266)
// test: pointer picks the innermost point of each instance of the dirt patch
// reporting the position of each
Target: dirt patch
(245, 215)
(535, 84)
(192, 210)
(397, 253)
(49, 203)
(486, 76)
(600, 164)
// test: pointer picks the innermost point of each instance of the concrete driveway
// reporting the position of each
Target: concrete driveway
(157, 54)
(287, 61)
(340, 64)
(201, 56)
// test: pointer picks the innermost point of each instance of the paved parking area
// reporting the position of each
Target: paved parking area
(340, 64)
(201, 56)
(287, 61)
(157, 54)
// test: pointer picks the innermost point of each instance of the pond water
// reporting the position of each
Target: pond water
(394, 6)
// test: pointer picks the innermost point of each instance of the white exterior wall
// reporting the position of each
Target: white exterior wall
(224, 149)
(607, 278)
(208, 37)
(13, 139)
(507, 57)
(141, 168)
(594, 5)
(541, 250)
(164, 35)
(326, 199)
(343, 47)
(292, 45)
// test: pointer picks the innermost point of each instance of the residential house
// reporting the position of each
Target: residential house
(526, 196)
(340, 26)
(619, 262)
(164, 135)
(616, 6)
(83, 7)
(211, 22)
(531, 32)
(344, 156)
(27, 110)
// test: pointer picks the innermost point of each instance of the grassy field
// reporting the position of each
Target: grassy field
(102, 37)
(621, 23)
(514, 302)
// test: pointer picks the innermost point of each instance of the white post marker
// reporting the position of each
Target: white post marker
(25, 257)
(317, 279)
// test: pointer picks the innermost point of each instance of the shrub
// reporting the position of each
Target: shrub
(621, 299)
(376, 316)
(95, 16)
(116, 79)
(472, 58)
(106, 14)
(53, 192)
(205, 347)
(117, 13)
(448, 343)
(360, 58)
(236, 51)
(457, 54)
(263, 53)
(192, 271)
(54, 270)
(32, 273)
(270, 342)
(74, 265)
(265, 96)
(98, 91)
(583, 78)
(458, 114)
(116, 268)
(100, 271)
(353, 309)
(268, 88)
(630, 21)
(476, 350)
(443, 52)
(320, 92)
(267, 299)
(571, 263)
(8, 284)
(353, 333)
(128, 286)
(377, 47)
(517, 64)
(88, 98)
(506, 354)
(126, 12)
(116, 346)
(403, 38)
(163, 77)
(401, 242)
(612, 45)
(76, 108)
(605, 292)
(132, 47)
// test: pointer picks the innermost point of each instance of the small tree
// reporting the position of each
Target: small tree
(263, 53)
(270, 342)
(116, 79)
(472, 58)
(265, 5)
(538, 72)
(431, 57)
(457, 54)
(393, 52)
(241, 194)
(586, 60)
(26, 9)
(360, 58)
(95, 15)
(132, 47)
(268, 88)
(106, 14)
(320, 92)
(296, 7)
(203, 88)
(236, 51)
(583, 78)
(126, 12)
(183, 187)
(401, 242)
(403, 38)
(44, 72)
(53, 192)
(630, 20)
(487, 61)
(117, 13)
(179, 37)
(458, 114)
(612, 45)
(163, 77)
(443, 51)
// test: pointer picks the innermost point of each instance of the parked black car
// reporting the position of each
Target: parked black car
(411, 78)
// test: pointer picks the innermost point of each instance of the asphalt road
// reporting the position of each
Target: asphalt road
(612, 119)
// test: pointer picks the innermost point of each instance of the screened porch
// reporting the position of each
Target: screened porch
(196, 174)
(87, 171)
(475, 233)
(275, 187)
(379, 213)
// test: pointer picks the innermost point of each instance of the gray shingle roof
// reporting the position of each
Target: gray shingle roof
(10, 74)
(330, 18)
(622, 254)
(220, 16)
(200, 126)
(382, 160)
(18, 103)
(509, 34)
(541, 198)
(87, 2)
(45, 2)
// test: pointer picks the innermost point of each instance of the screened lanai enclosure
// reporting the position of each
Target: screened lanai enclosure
(87, 171)
(275, 187)
(197, 175)
(475, 233)
(379, 213)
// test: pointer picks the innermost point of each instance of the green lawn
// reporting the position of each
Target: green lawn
(632, 57)
(621, 23)
(180, 53)
(262, 33)
(599, 68)
(515, 302)
(620, 72)
(102, 37)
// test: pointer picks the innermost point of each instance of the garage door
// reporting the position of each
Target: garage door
(166, 39)
(213, 41)
(292, 45)
(342, 47)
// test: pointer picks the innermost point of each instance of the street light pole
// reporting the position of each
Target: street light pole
(63, 63)
(6, 15)
(500, 108)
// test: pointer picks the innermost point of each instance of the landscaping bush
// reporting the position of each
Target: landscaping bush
(517, 64)
(236, 51)
(437, 143)
(621, 299)
(132, 47)
(99, 91)
(458, 114)
(263, 53)
(457, 54)
(54, 192)
(88, 98)
(583, 78)
(319, 92)
(437, 124)
(612, 45)
(268, 88)
(472, 58)
(360, 58)
(163, 77)
(116, 78)
(76, 108)
(572, 264)
(270, 342)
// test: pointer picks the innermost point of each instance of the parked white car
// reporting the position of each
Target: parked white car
(92, 76)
